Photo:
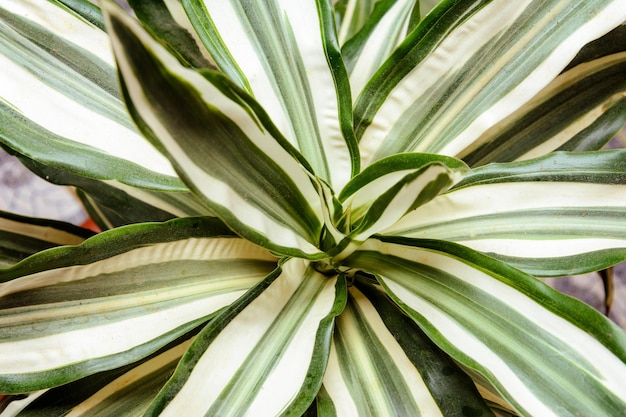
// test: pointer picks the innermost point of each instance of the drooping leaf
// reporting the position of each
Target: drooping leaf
(546, 353)
(552, 216)
(124, 294)
(130, 204)
(49, 52)
(265, 355)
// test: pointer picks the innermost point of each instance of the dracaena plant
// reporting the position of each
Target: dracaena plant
(314, 208)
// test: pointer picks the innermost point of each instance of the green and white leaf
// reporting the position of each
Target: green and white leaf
(552, 216)
(390, 188)
(265, 355)
(351, 16)
(22, 236)
(295, 71)
(131, 393)
(380, 364)
(470, 65)
(124, 294)
(221, 143)
(385, 28)
(582, 109)
(535, 346)
(130, 204)
(57, 68)
(168, 21)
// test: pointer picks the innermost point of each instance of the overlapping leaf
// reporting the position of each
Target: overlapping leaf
(124, 294)
(469, 65)
(380, 364)
(60, 102)
(533, 345)
(168, 21)
(385, 28)
(582, 109)
(22, 236)
(265, 355)
(392, 187)
(557, 215)
(221, 142)
(295, 71)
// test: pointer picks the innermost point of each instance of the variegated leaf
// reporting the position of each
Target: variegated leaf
(468, 65)
(547, 354)
(22, 236)
(167, 20)
(57, 69)
(221, 143)
(129, 204)
(392, 187)
(295, 71)
(385, 28)
(123, 301)
(265, 355)
(582, 109)
(557, 215)
(380, 364)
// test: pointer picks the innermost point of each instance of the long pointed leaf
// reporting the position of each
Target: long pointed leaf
(582, 109)
(470, 64)
(381, 365)
(553, 216)
(77, 121)
(294, 71)
(547, 354)
(265, 355)
(220, 142)
(124, 294)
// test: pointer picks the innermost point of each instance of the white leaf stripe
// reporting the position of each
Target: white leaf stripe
(150, 294)
(58, 233)
(146, 271)
(587, 91)
(22, 237)
(132, 392)
(403, 62)
(474, 64)
(492, 333)
(383, 201)
(279, 333)
(515, 225)
(86, 9)
(368, 373)
(39, 40)
(167, 20)
(302, 103)
(385, 34)
(238, 155)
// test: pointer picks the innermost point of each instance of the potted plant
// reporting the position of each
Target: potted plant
(314, 209)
